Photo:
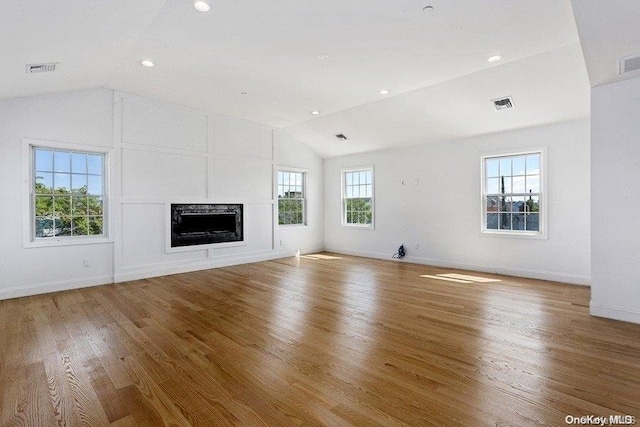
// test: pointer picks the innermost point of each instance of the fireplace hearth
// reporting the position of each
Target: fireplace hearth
(202, 224)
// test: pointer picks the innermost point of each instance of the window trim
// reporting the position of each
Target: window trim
(343, 210)
(544, 210)
(28, 232)
(305, 181)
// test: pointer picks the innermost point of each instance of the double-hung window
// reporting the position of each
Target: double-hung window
(68, 193)
(357, 197)
(291, 197)
(513, 201)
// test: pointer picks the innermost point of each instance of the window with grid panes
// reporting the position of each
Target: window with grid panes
(68, 194)
(357, 197)
(291, 198)
(512, 193)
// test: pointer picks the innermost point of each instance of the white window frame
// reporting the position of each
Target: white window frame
(305, 174)
(543, 209)
(343, 205)
(28, 199)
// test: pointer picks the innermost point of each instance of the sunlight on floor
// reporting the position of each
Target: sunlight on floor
(460, 278)
(320, 256)
(477, 279)
(447, 279)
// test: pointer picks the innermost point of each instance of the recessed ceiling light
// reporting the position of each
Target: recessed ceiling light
(243, 93)
(495, 58)
(147, 63)
(202, 6)
(323, 57)
(384, 91)
(315, 112)
(428, 8)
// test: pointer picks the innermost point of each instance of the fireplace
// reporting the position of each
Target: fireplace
(202, 224)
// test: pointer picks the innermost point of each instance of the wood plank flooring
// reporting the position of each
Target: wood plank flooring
(315, 341)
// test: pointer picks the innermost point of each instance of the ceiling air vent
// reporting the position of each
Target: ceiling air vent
(503, 103)
(341, 136)
(41, 68)
(630, 63)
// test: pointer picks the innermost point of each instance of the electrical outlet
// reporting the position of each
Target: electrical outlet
(417, 246)
(85, 263)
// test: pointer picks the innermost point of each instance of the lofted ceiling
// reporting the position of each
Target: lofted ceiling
(276, 61)
(609, 31)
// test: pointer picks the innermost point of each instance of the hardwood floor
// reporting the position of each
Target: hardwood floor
(315, 341)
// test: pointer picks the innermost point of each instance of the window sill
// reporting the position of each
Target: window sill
(169, 249)
(359, 227)
(287, 226)
(53, 242)
(515, 234)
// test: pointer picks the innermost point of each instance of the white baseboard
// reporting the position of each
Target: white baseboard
(145, 272)
(507, 271)
(63, 285)
(615, 313)
(148, 271)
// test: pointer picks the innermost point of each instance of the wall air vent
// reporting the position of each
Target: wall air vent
(629, 64)
(41, 68)
(341, 136)
(503, 103)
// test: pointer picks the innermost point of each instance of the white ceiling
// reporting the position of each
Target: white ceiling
(434, 63)
(609, 31)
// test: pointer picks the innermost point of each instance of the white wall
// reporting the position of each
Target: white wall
(615, 200)
(438, 207)
(291, 153)
(75, 117)
(160, 154)
(172, 154)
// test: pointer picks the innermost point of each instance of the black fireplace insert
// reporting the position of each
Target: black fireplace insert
(201, 224)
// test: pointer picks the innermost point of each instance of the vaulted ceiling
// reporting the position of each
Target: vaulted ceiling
(277, 61)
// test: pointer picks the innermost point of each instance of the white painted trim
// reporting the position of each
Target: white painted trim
(544, 213)
(274, 189)
(615, 313)
(514, 234)
(206, 246)
(145, 148)
(68, 241)
(275, 236)
(506, 271)
(63, 285)
(144, 272)
(116, 196)
(155, 270)
(292, 169)
(28, 238)
(343, 215)
(242, 158)
(211, 148)
(163, 200)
